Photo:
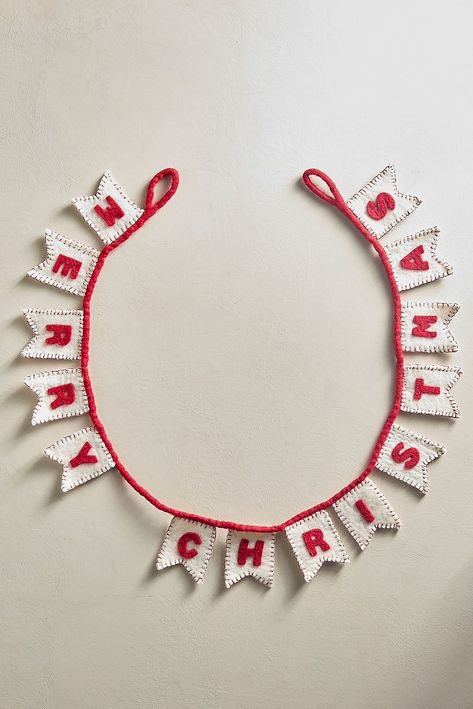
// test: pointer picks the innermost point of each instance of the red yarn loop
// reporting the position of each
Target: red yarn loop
(151, 206)
(336, 199)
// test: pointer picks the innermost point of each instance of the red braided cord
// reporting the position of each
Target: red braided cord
(336, 200)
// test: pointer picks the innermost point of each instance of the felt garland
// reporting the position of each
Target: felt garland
(360, 506)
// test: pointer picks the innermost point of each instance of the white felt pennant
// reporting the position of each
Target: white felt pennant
(414, 260)
(249, 554)
(83, 456)
(314, 540)
(69, 265)
(61, 393)
(426, 390)
(57, 333)
(110, 212)
(365, 509)
(373, 207)
(424, 327)
(189, 543)
(405, 455)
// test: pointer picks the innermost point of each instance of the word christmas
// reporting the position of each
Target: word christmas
(360, 507)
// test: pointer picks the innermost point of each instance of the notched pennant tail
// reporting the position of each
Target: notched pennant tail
(249, 554)
(427, 388)
(57, 333)
(314, 540)
(60, 393)
(189, 543)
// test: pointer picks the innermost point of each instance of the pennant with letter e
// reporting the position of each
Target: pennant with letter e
(405, 456)
(249, 554)
(314, 540)
(414, 260)
(379, 206)
(61, 394)
(110, 212)
(57, 333)
(83, 456)
(424, 327)
(69, 265)
(363, 510)
(189, 543)
(426, 390)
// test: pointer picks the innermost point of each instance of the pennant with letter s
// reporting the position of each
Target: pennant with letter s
(61, 394)
(249, 554)
(424, 327)
(57, 333)
(426, 390)
(314, 540)
(188, 543)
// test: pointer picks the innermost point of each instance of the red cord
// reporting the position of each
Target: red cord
(336, 200)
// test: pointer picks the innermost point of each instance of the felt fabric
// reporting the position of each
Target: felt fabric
(432, 334)
(108, 187)
(54, 270)
(314, 540)
(419, 376)
(382, 514)
(262, 571)
(197, 550)
(38, 346)
(425, 242)
(379, 215)
(415, 475)
(66, 449)
(42, 382)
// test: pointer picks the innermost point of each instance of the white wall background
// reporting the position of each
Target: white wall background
(235, 392)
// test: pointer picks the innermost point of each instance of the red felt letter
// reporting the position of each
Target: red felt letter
(379, 208)
(409, 456)
(423, 323)
(65, 394)
(413, 261)
(110, 213)
(245, 552)
(422, 388)
(364, 511)
(67, 266)
(182, 544)
(62, 335)
(314, 538)
(83, 456)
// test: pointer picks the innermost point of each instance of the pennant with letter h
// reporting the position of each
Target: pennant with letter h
(61, 394)
(379, 206)
(424, 327)
(363, 510)
(57, 333)
(426, 390)
(110, 212)
(189, 543)
(83, 456)
(249, 554)
(405, 456)
(414, 260)
(314, 540)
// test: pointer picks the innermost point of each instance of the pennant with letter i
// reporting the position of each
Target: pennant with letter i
(414, 260)
(83, 456)
(249, 554)
(189, 543)
(57, 333)
(61, 393)
(424, 327)
(426, 390)
(314, 540)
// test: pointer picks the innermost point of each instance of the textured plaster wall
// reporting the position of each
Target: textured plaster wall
(241, 350)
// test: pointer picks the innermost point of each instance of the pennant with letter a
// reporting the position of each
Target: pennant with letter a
(83, 456)
(405, 456)
(249, 554)
(189, 543)
(61, 394)
(414, 260)
(110, 212)
(57, 333)
(424, 327)
(314, 540)
(365, 509)
(426, 390)
(69, 265)
(379, 206)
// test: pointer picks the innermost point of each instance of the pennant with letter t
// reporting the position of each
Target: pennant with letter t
(249, 554)
(426, 390)
(314, 540)
(189, 543)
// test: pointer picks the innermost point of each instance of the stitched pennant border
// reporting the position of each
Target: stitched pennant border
(414, 260)
(188, 543)
(405, 455)
(426, 390)
(363, 510)
(424, 327)
(83, 456)
(68, 265)
(61, 394)
(314, 540)
(110, 212)
(249, 554)
(379, 205)
(57, 333)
